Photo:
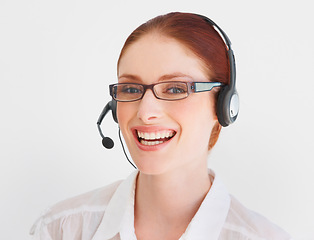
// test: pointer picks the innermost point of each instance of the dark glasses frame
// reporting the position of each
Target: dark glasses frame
(192, 87)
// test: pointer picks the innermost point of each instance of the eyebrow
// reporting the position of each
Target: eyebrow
(130, 76)
(174, 75)
(162, 78)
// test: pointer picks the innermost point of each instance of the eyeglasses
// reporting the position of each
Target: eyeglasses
(170, 91)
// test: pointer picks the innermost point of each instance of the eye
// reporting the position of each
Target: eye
(175, 88)
(131, 89)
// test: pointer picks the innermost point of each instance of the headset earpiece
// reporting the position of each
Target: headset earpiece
(227, 106)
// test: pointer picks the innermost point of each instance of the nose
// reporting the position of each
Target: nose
(150, 108)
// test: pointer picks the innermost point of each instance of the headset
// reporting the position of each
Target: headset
(227, 108)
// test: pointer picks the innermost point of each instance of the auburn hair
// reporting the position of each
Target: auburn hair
(200, 37)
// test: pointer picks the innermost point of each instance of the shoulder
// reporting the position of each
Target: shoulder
(242, 223)
(85, 210)
(90, 201)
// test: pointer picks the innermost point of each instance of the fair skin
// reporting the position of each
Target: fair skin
(173, 178)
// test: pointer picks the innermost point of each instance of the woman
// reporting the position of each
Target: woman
(169, 128)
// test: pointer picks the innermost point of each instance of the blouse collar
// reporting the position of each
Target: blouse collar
(208, 221)
(116, 209)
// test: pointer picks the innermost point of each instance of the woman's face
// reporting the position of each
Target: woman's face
(184, 126)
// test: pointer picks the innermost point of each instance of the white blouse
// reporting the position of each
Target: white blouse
(108, 213)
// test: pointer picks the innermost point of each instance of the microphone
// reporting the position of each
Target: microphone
(107, 142)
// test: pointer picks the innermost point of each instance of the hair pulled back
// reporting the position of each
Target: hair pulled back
(194, 33)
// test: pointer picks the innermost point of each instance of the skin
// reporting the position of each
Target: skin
(173, 178)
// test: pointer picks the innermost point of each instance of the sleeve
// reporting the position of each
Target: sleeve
(46, 227)
(39, 230)
(58, 226)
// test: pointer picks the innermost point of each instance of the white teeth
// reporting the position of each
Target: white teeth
(146, 135)
(155, 135)
(150, 143)
(158, 135)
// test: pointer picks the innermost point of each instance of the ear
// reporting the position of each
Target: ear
(214, 135)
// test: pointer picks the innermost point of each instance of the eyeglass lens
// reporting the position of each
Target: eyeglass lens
(164, 90)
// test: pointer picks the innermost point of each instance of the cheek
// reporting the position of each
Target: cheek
(197, 119)
(125, 112)
(121, 115)
(199, 109)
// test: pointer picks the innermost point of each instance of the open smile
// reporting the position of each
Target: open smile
(154, 138)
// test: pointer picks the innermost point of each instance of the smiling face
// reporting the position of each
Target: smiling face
(165, 135)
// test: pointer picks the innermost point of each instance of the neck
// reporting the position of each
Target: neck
(170, 199)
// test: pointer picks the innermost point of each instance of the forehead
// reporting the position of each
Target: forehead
(154, 55)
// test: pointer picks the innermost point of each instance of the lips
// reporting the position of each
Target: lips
(153, 138)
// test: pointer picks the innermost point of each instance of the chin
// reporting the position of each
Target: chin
(151, 168)
(153, 165)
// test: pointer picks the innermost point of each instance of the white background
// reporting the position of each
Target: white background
(58, 57)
